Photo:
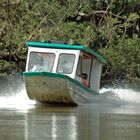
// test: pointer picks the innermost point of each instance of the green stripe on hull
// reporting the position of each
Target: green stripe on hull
(56, 75)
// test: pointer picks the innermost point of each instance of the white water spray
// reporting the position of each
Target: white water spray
(126, 95)
(13, 95)
(18, 100)
(21, 101)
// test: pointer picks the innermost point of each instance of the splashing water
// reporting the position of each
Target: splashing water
(14, 95)
(19, 101)
(124, 95)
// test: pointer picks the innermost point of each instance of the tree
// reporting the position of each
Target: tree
(105, 26)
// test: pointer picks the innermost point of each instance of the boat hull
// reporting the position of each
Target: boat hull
(56, 88)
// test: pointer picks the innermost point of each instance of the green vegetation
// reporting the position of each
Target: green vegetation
(111, 27)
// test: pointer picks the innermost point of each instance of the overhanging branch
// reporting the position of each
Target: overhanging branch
(79, 17)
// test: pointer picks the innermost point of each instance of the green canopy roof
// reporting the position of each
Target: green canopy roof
(67, 46)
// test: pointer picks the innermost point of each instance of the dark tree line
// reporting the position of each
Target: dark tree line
(111, 27)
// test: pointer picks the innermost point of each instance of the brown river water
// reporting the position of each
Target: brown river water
(113, 115)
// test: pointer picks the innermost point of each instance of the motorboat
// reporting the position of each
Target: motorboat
(62, 73)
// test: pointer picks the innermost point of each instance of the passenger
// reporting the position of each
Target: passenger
(44, 63)
(38, 68)
(41, 68)
(84, 77)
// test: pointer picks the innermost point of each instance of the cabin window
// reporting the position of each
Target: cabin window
(65, 63)
(39, 61)
(84, 67)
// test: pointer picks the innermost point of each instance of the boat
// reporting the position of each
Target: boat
(60, 73)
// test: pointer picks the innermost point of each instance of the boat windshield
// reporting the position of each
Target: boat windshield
(40, 61)
(65, 63)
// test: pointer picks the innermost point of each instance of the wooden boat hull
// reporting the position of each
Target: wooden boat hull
(56, 88)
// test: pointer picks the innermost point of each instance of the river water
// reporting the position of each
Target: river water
(113, 115)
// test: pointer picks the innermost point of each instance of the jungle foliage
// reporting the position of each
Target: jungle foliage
(111, 27)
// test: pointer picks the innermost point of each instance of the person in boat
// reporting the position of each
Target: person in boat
(42, 66)
(41, 62)
(84, 78)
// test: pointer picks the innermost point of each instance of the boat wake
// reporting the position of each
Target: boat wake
(13, 95)
(119, 95)
(111, 96)
(18, 99)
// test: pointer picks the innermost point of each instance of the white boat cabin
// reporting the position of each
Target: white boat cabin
(76, 61)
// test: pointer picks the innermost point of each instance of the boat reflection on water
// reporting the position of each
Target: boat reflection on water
(90, 122)
(115, 114)
(84, 122)
(51, 124)
(60, 123)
